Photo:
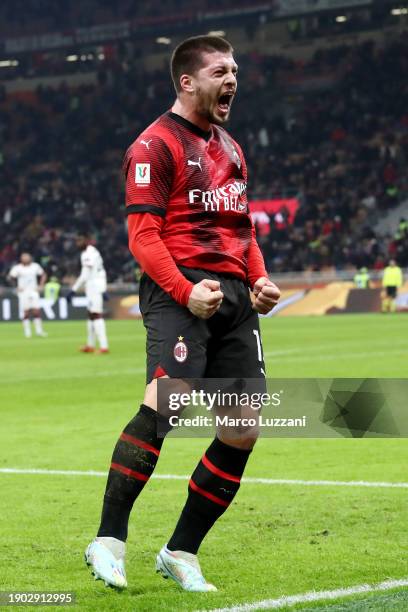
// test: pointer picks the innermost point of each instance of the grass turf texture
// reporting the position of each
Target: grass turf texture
(64, 410)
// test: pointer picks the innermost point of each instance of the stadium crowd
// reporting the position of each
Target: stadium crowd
(341, 151)
(22, 17)
(28, 17)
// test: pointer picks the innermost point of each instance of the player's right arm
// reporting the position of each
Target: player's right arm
(86, 269)
(13, 275)
(149, 172)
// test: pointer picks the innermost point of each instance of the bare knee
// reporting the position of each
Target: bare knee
(150, 396)
(160, 401)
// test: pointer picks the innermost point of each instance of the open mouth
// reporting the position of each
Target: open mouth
(224, 102)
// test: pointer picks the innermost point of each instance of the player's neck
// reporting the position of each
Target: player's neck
(191, 115)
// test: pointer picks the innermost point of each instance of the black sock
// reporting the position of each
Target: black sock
(211, 489)
(133, 461)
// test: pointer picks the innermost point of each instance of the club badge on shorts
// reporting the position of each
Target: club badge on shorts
(180, 350)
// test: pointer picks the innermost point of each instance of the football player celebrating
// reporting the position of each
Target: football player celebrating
(190, 230)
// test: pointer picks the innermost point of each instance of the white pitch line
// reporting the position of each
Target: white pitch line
(267, 481)
(291, 600)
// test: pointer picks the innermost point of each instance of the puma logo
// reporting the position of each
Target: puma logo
(146, 142)
(190, 162)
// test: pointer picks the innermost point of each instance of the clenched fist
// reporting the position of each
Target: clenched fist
(266, 295)
(205, 298)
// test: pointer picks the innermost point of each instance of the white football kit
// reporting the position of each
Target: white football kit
(27, 284)
(93, 278)
(28, 295)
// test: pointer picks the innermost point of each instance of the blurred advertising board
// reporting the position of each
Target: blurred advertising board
(286, 8)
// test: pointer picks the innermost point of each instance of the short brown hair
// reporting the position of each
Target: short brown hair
(187, 56)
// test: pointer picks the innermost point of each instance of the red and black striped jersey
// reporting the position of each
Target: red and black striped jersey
(195, 181)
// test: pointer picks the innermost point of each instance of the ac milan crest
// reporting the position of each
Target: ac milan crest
(180, 350)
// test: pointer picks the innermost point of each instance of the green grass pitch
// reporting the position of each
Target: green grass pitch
(64, 410)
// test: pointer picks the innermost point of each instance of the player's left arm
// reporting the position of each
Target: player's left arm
(401, 278)
(41, 275)
(265, 293)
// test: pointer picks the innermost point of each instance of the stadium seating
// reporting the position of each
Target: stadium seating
(342, 151)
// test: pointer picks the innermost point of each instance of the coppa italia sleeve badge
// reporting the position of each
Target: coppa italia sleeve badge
(180, 350)
(142, 174)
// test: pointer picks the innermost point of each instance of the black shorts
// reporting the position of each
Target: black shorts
(227, 345)
(391, 291)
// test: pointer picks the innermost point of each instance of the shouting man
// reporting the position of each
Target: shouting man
(190, 230)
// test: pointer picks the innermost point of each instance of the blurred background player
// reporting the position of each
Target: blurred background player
(52, 290)
(362, 279)
(93, 278)
(26, 273)
(392, 280)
